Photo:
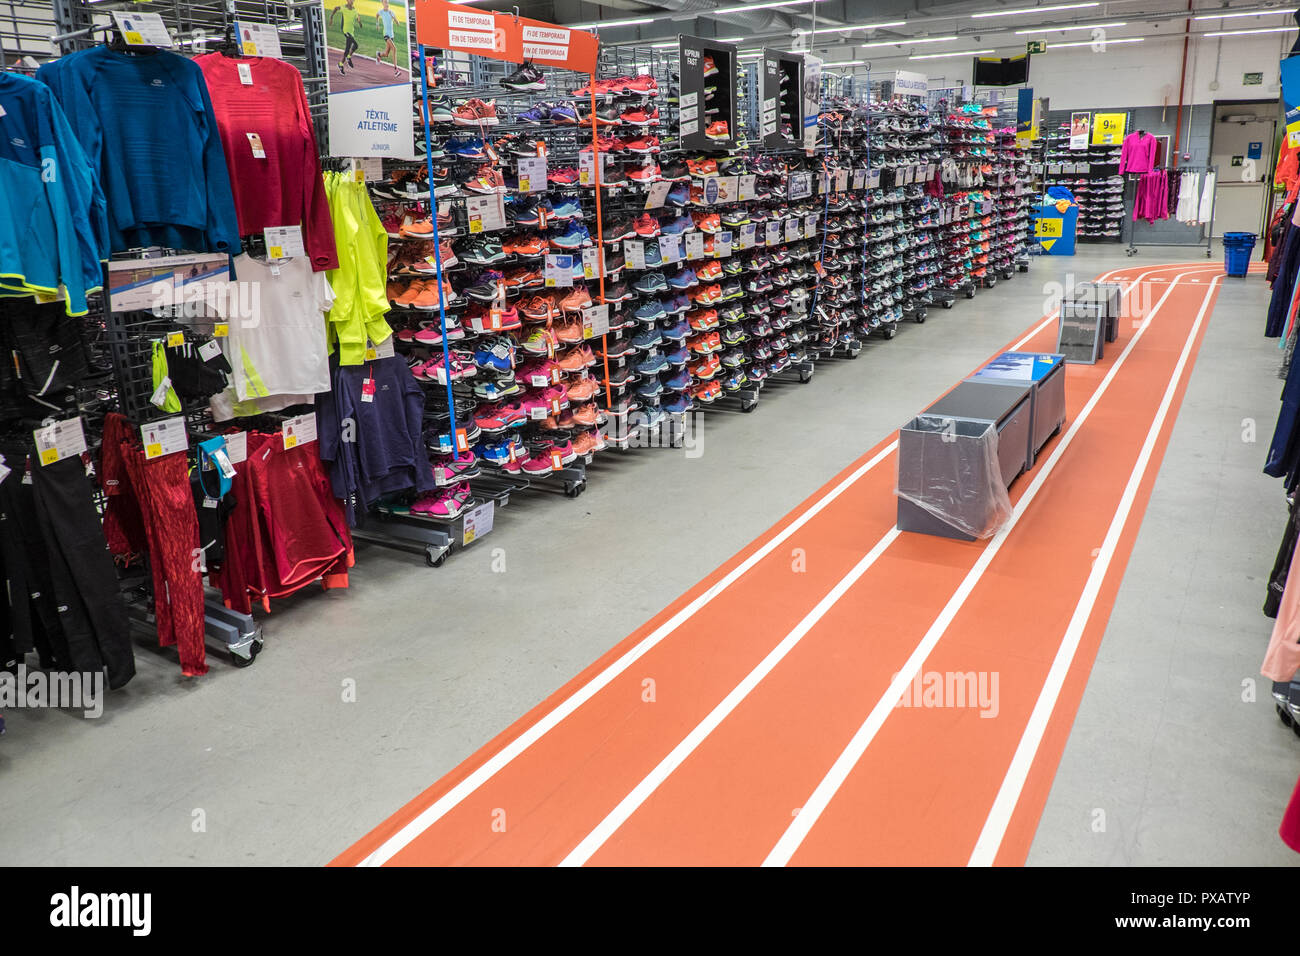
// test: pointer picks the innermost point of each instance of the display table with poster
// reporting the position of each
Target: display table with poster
(1044, 373)
(1054, 227)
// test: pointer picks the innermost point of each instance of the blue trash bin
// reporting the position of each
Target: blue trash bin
(1237, 248)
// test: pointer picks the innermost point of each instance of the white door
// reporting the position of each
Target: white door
(1244, 154)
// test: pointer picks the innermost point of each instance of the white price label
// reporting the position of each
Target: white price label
(859, 178)
(586, 169)
(532, 174)
(634, 253)
(258, 39)
(595, 321)
(236, 447)
(298, 431)
(694, 245)
(722, 245)
(486, 213)
(284, 242)
(60, 440)
(793, 230)
(657, 194)
(593, 263)
(747, 188)
(748, 236)
(142, 29)
(689, 127)
(559, 271)
(478, 522)
(810, 226)
(670, 248)
(164, 438)
(382, 350)
(773, 234)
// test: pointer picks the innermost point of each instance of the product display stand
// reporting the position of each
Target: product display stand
(1205, 230)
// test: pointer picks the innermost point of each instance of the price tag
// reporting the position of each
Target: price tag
(532, 174)
(559, 271)
(284, 242)
(557, 461)
(486, 213)
(793, 230)
(382, 350)
(175, 339)
(773, 233)
(586, 169)
(209, 350)
(657, 194)
(142, 29)
(747, 236)
(221, 330)
(595, 321)
(236, 446)
(859, 178)
(367, 389)
(164, 438)
(538, 412)
(255, 144)
(61, 440)
(746, 188)
(670, 248)
(258, 39)
(462, 442)
(694, 245)
(593, 263)
(478, 522)
(722, 245)
(728, 189)
(841, 180)
(245, 74)
(634, 253)
(299, 430)
(810, 226)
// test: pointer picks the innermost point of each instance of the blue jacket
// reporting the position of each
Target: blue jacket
(146, 122)
(53, 230)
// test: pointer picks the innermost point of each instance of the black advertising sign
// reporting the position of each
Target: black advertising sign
(707, 97)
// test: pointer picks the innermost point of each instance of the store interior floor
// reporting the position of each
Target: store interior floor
(364, 697)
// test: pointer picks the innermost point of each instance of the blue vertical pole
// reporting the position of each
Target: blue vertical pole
(437, 250)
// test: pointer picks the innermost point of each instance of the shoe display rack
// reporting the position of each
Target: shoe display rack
(1093, 177)
(1010, 228)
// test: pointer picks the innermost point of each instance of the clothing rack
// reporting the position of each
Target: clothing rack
(1205, 229)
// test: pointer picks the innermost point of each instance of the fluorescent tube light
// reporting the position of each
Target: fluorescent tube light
(1057, 46)
(906, 41)
(1241, 33)
(1009, 13)
(612, 23)
(1082, 26)
(1244, 13)
(940, 56)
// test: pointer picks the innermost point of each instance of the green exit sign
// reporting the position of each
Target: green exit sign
(1037, 46)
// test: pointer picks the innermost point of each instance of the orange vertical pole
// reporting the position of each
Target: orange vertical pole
(600, 232)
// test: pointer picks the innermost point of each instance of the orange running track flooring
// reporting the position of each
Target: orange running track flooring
(755, 720)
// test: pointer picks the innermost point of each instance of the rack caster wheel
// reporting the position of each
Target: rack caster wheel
(239, 660)
(947, 303)
(855, 352)
(920, 317)
(1284, 715)
(574, 488)
(434, 557)
(748, 406)
(970, 293)
(1130, 252)
(1023, 268)
(890, 333)
(806, 377)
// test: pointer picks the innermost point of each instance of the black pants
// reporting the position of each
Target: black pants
(91, 611)
(45, 344)
(33, 620)
(350, 45)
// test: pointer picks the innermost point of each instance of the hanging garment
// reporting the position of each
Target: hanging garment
(161, 521)
(146, 124)
(277, 346)
(1289, 831)
(282, 186)
(1282, 564)
(44, 350)
(1204, 212)
(1189, 194)
(1279, 304)
(1282, 659)
(360, 282)
(1138, 154)
(385, 452)
(53, 226)
(1151, 201)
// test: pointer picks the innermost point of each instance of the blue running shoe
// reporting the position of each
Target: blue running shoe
(650, 387)
(679, 195)
(649, 416)
(562, 113)
(676, 331)
(652, 365)
(536, 115)
(678, 381)
(678, 226)
(678, 357)
(647, 338)
(678, 305)
(684, 279)
(573, 236)
(567, 209)
(468, 149)
(653, 259)
(652, 311)
(650, 283)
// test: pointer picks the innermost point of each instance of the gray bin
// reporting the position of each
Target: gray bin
(950, 479)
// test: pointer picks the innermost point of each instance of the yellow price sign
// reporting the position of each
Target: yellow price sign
(134, 38)
(275, 252)
(1050, 228)
(49, 456)
(220, 330)
(360, 174)
(371, 354)
(153, 451)
(524, 184)
(250, 48)
(290, 441)
(175, 339)
(476, 225)
(470, 534)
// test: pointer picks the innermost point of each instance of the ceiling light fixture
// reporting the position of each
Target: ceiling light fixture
(905, 41)
(600, 24)
(855, 26)
(746, 7)
(1243, 13)
(1101, 43)
(1239, 33)
(1029, 10)
(1082, 26)
(940, 56)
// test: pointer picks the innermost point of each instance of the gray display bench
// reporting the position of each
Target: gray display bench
(948, 435)
(1044, 373)
(1089, 319)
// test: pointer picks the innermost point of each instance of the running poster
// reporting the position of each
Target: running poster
(368, 49)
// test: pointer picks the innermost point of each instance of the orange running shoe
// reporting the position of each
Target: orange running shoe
(568, 331)
(576, 301)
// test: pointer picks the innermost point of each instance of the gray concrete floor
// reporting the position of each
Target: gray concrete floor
(270, 765)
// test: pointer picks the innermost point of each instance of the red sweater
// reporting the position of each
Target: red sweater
(285, 188)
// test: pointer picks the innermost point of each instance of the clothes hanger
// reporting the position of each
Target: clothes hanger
(229, 43)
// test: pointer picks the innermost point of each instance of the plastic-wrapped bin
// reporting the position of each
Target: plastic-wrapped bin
(950, 478)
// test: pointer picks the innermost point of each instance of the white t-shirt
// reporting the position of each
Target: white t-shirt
(276, 343)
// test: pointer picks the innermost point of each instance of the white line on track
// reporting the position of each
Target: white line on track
(812, 808)
(494, 764)
(995, 827)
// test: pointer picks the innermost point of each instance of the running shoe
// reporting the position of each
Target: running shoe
(527, 77)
